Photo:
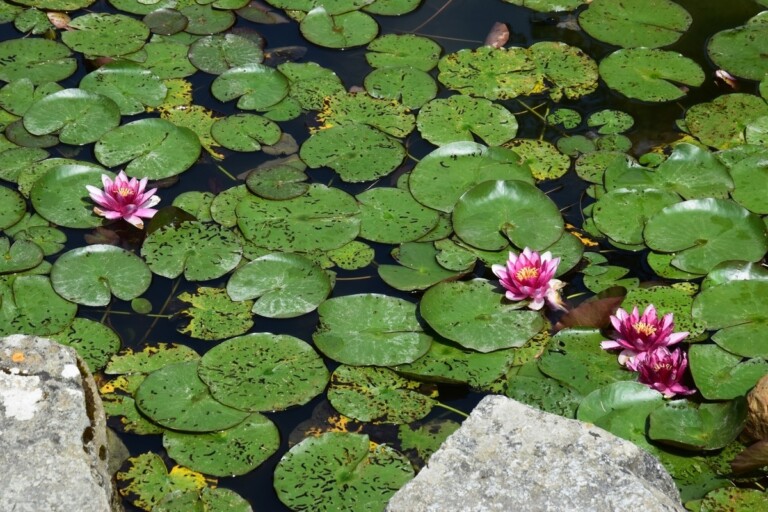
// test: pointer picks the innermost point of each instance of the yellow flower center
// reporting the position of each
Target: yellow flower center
(644, 328)
(125, 191)
(662, 366)
(527, 273)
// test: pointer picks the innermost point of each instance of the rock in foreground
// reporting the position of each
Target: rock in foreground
(509, 456)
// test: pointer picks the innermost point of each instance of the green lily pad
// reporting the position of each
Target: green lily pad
(79, 117)
(324, 218)
(544, 159)
(197, 204)
(200, 251)
(280, 182)
(29, 304)
(750, 178)
(735, 498)
(392, 216)
(21, 255)
(263, 372)
(36, 59)
(738, 310)
(13, 161)
(33, 228)
(60, 195)
(566, 117)
(621, 408)
(13, 207)
(165, 21)
(548, 5)
(257, 86)
(155, 148)
(147, 481)
(409, 86)
(493, 213)
(219, 498)
(168, 59)
(377, 395)
(417, 269)
(234, 451)
(131, 86)
(424, 439)
(621, 214)
(693, 173)
(354, 109)
(441, 177)
(352, 256)
(285, 285)
(245, 132)
(370, 329)
(566, 70)
(610, 121)
(91, 275)
(391, 7)
(635, 23)
(406, 50)
(103, 34)
(218, 53)
(649, 74)
(94, 342)
(175, 397)
(149, 359)
(205, 20)
(734, 271)
(460, 118)
(705, 232)
(544, 394)
(213, 315)
(708, 426)
(720, 375)
(721, 122)
(575, 359)
(741, 50)
(353, 28)
(356, 152)
(311, 83)
(475, 315)
(452, 255)
(117, 399)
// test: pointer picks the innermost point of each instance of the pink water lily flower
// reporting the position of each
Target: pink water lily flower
(530, 276)
(662, 370)
(124, 198)
(637, 333)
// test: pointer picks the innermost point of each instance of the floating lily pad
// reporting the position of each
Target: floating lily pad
(311, 84)
(545, 394)
(356, 152)
(460, 118)
(391, 7)
(566, 70)
(741, 50)
(353, 28)
(79, 117)
(750, 178)
(245, 132)
(149, 359)
(610, 121)
(279, 182)
(234, 451)
(394, 50)
(545, 161)
(263, 372)
(257, 86)
(370, 473)
(213, 315)
(285, 285)
(454, 256)
(720, 375)
(205, 20)
(94, 342)
(424, 439)
(13, 207)
(721, 122)
(493, 213)
(91, 275)
(621, 214)
(168, 59)
(708, 426)
(175, 397)
(15, 160)
(352, 256)
(693, 173)
(165, 21)
(131, 86)
(649, 74)
(567, 117)
(103, 34)
(410, 86)
(355, 109)
(734, 271)
(634, 23)
(441, 177)
(21, 255)
(549, 5)
(323, 218)
(377, 395)
(61, 197)
(392, 215)
(213, 499)
(218, 53)
(475, 315)
(30, 305)
(370, 329)
(705, 232)
(36, 59)
(418, 268)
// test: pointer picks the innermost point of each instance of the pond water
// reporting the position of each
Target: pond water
(454, 25)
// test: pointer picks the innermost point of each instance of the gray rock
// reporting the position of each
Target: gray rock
(53, 441)
(508, 456)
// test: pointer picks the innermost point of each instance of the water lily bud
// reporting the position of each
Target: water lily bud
(756, 426)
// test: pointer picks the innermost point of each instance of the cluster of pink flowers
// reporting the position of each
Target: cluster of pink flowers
(530, 276)
(644, 341)
(124, 198)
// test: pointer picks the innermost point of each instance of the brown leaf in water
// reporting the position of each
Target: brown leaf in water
(594, 313)
(498, 36)
(753, 457)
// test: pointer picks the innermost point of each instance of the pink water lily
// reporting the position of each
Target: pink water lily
(662, 370)
(124, 198)
(637, 333)
(530, 276)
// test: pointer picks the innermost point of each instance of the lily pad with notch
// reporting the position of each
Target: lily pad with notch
(460, 118)
(394, 50)
(418, 268)
(105, 34)
(621, 214)
(692, 426)
(130, 85)
(741, 51)
(18, 256)
(392, 216)
(13, 207)
(721, 123)
(354, 109)
(341, 31)
(544, 159)
(409, 86)
(216, 54)
(205, 20)
(279, 182)
(720, 375)
(93, 341)
(30, 305)
(212, 315)
(245, 132)
(257, 87)
(60, 195)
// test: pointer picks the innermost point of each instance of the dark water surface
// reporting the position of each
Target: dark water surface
(454, 25)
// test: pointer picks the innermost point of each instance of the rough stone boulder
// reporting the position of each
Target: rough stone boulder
(53, 440)
(508, 456)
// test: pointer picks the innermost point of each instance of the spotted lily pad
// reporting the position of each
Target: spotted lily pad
(370, 329)
(90, 275)
(418, 268)
(410, 86)
(393, 50)
(213, 315)
(741, 50)
(29, 304)
(693, 173)
(621, 214)
(263, 372)
(370, 473)
(377, 394)
(392, 215)
(475, 315)
(634, 23)
(358, 108)
(282, 181)
(245, 132)
(566, 70)
(94, 342)
(257, 86)
(285, 285)
(61, 197)
(21, 255)
(345, 30)
(721, 123)
(217, 53)
(39, 60)
(131, 86)
(149, 359)
(544, 159)
(103, 34)
(459, 118)
(209, 498)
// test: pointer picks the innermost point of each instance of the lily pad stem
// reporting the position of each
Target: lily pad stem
(153, 315)
(162, 308)
(543, 119)
(226, 173)
(449, 408)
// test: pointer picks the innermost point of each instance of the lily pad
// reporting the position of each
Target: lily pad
(621, 214)
(610, 121)
(354, 109)
(345, 30)
(392, 215)
(475, 315)
(708, 426)
(29, 304)
(21, 255)
(104, 34)
(369, 473)
(741, 50)
(493, 213)
(370, 329)
(377, 395)
(545, 394)
(94, 342)
(544, 159)
(148, 481)
(548, 5)
(217, 53)
(245, 132)
(720, 375)
(36, 59)
(149, 359)
(213, 315)
(205, 20)
(280, 182)
(200, 251)
(410, 86)
(91, 275)
(219, 498)
(175, 397)
(234, 451)
(693, 173)
(460, 118)
(566, 70)
(418, 268)
(13, 207)
(750, 177)
(257, 86)
(285, 285)
(396, 50)
(263, 372)
(131, 86)
(705, 232)
(634, 23)
(721, 122)
(649, 74)
(61, 197)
